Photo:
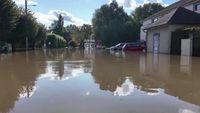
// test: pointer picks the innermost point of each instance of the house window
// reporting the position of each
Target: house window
(155, 19)
(197, 7)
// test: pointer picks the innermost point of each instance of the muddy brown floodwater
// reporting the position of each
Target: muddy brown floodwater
(69, 81)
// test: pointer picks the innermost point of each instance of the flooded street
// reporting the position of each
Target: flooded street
(64, 81)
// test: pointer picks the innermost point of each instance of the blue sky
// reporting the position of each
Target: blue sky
(78, 11)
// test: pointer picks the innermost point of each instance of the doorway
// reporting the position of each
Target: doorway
(186, 47)
(156, 43)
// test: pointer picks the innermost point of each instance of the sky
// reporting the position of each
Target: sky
(77, 12)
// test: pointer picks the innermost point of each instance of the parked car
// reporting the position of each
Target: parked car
(117, 47)
(139, 46)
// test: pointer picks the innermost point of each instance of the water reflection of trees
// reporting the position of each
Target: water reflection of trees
(67, 69)
(148, 73)
(110, 72)
(64, 63)
(19, 72)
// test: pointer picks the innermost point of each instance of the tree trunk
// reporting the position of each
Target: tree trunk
(13, 47)
(33, 46)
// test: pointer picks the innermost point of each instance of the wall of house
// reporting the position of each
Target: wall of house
(147, 22)
(142, 33)
(165, 39)
(190, 7)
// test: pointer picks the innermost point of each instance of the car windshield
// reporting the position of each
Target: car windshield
(132, 45)
(119, 45)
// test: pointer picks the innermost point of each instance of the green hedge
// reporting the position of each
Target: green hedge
(55, 41)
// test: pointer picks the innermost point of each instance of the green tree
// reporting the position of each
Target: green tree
(130, 31)
(8, 18)
(72, 30)
(41, 35)
(58, 26)
(110, 22)
(78, 34)
(145, 11)
(86, 31)
(27, 27)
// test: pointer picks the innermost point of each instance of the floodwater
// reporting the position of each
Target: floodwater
(68, 81)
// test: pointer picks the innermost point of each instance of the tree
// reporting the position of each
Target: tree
(145, 11)
(72, 30)
(110, 22)
(58, 26)
(130, 31)
(27, 27)
(41, 35)
(8, 18)
(78, 34)
(86, 31)
(16, 26)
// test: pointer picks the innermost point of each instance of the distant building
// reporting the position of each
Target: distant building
(159, 30)
(89, 44)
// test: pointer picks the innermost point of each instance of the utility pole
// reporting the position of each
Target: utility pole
(26, 5)
(26, 12)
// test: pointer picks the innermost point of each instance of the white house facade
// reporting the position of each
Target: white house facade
(158, 29)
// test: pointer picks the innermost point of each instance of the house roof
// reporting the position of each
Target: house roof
(180, 3)
(179, 16)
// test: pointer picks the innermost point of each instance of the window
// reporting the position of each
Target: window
(197, 7)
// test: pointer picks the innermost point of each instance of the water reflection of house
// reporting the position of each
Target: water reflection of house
(176, 76)
(148, 73)
(89, 44)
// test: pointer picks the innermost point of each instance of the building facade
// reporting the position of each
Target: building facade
(158, 30)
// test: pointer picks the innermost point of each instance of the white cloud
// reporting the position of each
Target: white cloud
(132, 4)
(68, 17)
(159, 1)
(22, 2)
(52, 15)
(46, 19)
(154, 1)
(125, 89)
(146, 2)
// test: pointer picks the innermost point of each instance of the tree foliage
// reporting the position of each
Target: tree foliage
(86, 31)
(8, 18)
(27, 27)
(58, 26)
(78, 34)
(41, 35)
(112, 25)
(55, 41)
(145, 11)
(16, 26)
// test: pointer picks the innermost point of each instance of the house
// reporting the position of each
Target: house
(161, 30)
